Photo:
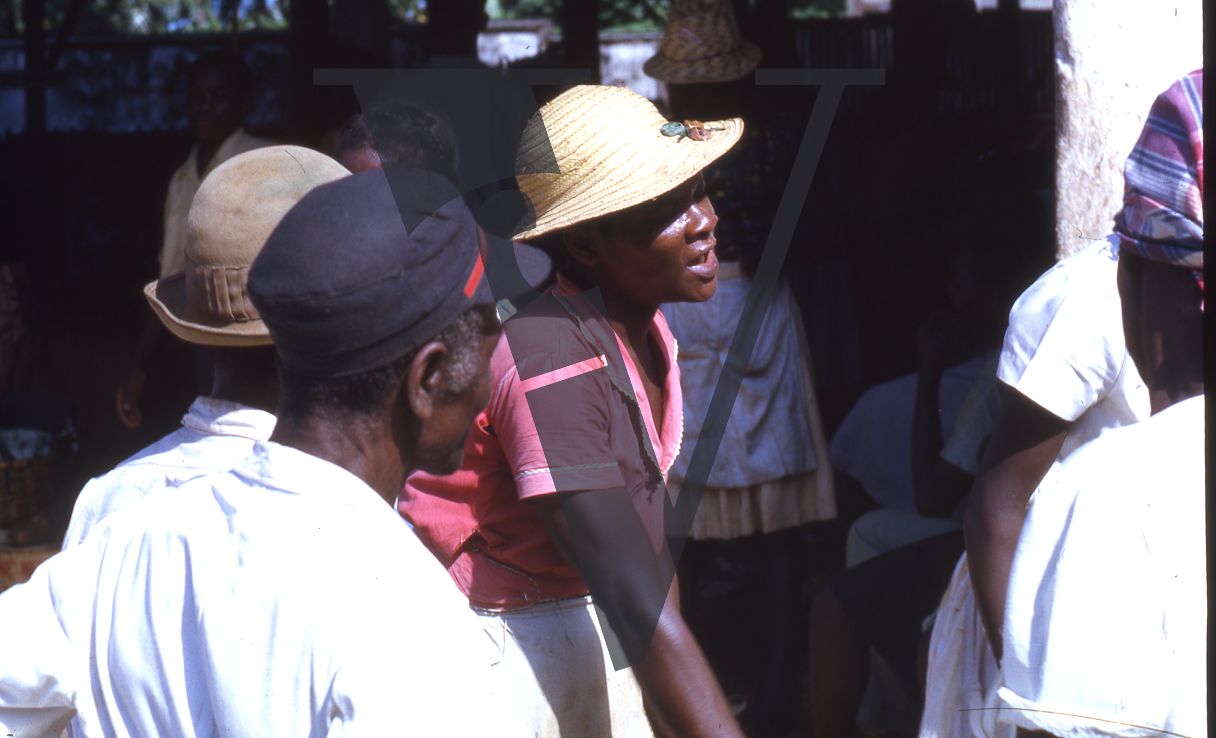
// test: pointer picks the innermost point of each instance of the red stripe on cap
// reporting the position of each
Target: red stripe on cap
(470, 286)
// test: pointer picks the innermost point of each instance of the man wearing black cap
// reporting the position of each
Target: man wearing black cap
(286, 596)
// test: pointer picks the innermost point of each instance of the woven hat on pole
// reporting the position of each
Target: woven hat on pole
(702, 44)
(596, 149)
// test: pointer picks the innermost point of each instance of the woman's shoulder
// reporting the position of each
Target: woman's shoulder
(541, 337)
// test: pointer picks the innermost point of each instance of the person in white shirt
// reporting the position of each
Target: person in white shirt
(1105, 625)
(286, 596)
(204, 304)
(1072, 380)
(1066, 378)
(217, 95)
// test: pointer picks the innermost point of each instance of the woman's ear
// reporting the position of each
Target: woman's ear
(582, 245)
(424, 383)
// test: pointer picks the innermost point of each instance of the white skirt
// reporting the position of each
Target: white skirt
(960, 690)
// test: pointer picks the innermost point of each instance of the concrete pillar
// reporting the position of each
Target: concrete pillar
(1113, 57)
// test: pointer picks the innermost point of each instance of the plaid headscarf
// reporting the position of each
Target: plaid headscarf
(1162, 216)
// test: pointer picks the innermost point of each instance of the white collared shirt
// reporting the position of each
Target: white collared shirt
(215, 434)
(282, 597)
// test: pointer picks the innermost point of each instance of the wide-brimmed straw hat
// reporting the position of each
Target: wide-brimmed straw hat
(702, 44)
(595, 150)
(233, 212)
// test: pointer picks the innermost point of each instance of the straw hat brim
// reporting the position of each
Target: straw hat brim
(655, 166)
(168, 300)
(724, 68)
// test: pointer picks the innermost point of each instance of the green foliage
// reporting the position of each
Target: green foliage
(514, 9)
(614, 15)
(641, 15)
(106, 17)
(800, 9)
(10, 15)
(410, 11)
(101, 17)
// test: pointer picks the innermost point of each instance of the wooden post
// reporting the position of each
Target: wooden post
(581, 35)
(1009, 99)
(308, 23)
(32, 15)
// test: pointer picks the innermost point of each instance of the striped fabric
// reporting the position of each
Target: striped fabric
(1162, 216)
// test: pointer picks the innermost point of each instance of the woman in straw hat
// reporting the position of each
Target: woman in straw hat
(561, 497)
(776, 478)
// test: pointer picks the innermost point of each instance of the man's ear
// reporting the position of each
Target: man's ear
(425, 381)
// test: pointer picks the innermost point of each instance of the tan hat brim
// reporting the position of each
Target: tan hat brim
(168, 300)
(723, 68)
(653, 167)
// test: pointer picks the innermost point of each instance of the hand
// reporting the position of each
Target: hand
(126, 400)
(934, 339)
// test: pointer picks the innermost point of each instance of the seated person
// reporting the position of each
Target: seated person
(908, 417)
(881, 601)
(901, 562)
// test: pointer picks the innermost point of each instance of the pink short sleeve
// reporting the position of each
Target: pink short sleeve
(553, 424)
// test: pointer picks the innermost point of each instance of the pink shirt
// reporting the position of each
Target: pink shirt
(567, 413)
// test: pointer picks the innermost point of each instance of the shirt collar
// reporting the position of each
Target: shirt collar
(295, 472)
(664, 443)
(217, 417)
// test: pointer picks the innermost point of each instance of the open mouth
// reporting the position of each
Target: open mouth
(705, 265)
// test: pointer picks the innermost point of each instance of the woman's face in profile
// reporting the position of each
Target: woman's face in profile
(662, 250)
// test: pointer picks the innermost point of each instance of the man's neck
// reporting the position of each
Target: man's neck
(205, 151)
(348, 445)
(1161, 398)
(244, 395)
(246, 379)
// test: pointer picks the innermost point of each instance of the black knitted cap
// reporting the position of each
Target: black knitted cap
(365, 269)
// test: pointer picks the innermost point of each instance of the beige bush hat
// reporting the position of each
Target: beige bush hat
(233, 212)
(595, 150)
(702, 44)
